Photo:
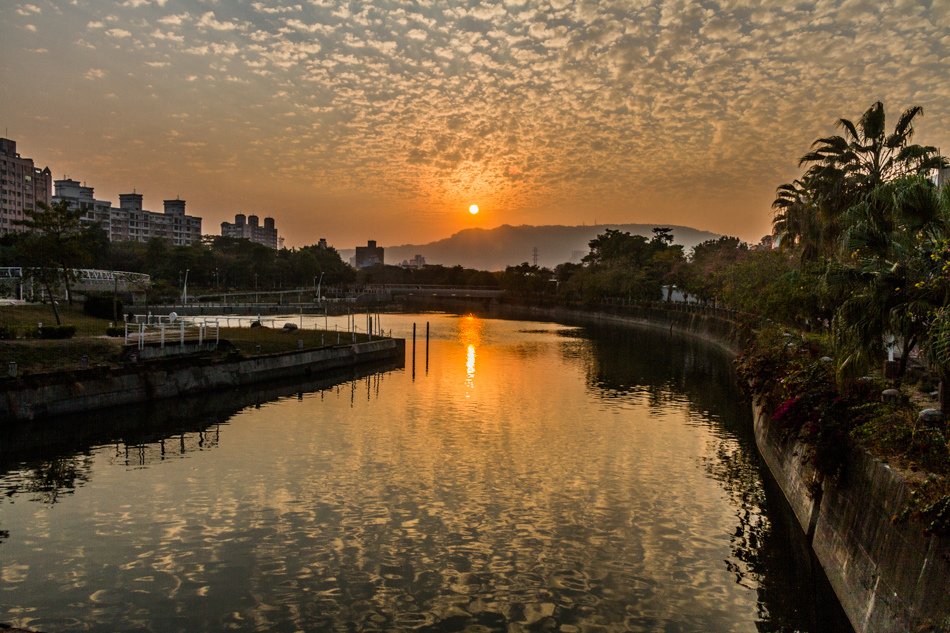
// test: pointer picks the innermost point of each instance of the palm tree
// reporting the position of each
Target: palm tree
(867, 156)
(889, 270)
(796, 222)
(842, 172)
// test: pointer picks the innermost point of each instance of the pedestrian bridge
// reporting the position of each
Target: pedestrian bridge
(83, 280)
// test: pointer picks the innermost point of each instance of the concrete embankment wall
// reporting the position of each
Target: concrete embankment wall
(888, 573)
(31, 397)
(890, 576)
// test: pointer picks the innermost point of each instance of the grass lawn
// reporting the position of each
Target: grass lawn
(24, 317)
(37, 356)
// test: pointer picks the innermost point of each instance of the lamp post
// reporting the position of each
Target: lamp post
(184, 288)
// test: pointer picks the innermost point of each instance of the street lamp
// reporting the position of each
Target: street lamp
(184, 289)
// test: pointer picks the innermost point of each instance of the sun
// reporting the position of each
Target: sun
(473, 209)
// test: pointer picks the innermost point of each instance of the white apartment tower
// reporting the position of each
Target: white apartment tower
(130, 221)
(22, 187)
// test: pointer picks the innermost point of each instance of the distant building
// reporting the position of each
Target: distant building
(940, 177)
(368, 255)
(416, 262)
(130, 222)
(79, 196)
(22, 187)
(247, 227)
(322, 244)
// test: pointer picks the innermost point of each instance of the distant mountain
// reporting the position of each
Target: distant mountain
(493, 249)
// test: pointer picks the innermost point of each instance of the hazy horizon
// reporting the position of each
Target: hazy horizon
(386, 121)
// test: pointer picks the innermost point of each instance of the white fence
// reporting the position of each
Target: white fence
(178, 333)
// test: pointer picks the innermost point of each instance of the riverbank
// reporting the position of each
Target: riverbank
(37, 396)
(889, 573)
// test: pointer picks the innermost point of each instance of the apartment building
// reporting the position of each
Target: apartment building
(248, 227)
(22, 186)
(130, 221)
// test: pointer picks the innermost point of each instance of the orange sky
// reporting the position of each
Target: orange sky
(385, 120)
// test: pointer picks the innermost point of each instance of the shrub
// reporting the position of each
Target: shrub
(100, 305)
(115, 331)
(53, 332)
(7, 332)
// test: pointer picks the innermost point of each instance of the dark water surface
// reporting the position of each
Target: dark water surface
(535, 477)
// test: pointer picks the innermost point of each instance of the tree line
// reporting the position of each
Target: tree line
(860, 251)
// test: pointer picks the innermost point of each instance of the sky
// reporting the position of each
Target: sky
(385, 120)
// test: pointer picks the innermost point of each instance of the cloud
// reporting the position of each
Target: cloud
(94, 73)
(173, 20)
(534, 105)
(209, 21)
(260, 7)
(28, 9)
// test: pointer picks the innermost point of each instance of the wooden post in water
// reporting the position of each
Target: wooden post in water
(427, 348)
(413, 351)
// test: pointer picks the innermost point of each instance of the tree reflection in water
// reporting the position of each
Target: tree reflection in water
(624, 361)
(48, 480)
(48, 459)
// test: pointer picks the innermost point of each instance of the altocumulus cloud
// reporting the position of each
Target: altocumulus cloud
(627, 110)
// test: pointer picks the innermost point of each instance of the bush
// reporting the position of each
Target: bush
(7, 332)
(53, 332)
(115, 331)
(100, 305)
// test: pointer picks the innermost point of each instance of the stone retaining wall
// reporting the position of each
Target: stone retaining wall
(42, 395)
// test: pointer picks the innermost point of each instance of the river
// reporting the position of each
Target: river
(522, 476)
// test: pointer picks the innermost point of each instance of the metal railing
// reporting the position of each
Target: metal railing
(165, 333)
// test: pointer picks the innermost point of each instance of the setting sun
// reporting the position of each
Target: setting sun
(473, 209)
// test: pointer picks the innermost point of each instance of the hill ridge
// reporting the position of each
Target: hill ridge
(510, 245)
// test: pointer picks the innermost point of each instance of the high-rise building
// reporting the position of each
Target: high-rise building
(133, 223)
(130, 221)
(368, 255)
(416, 262)
(248, 227)
(79, 196)
(22, 186)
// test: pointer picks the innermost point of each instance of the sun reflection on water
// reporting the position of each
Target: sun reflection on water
(470, 366)
(470, 335)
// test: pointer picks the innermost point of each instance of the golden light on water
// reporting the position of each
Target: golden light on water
(470, 335)
(470, 366)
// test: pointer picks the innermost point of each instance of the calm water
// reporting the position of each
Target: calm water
(532, 476)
